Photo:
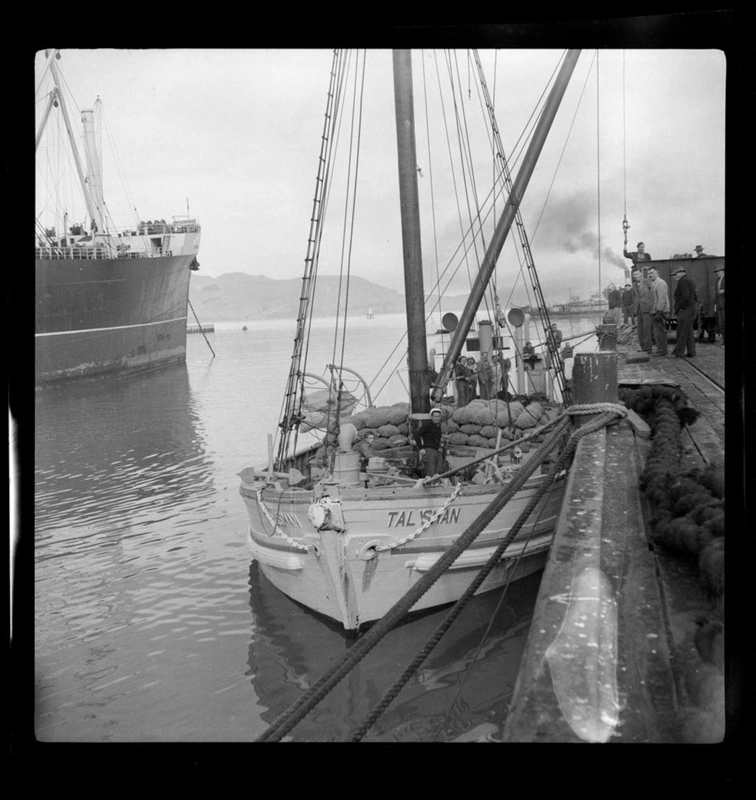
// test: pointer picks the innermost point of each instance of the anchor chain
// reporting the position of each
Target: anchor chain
(425, 525)
(276, 529)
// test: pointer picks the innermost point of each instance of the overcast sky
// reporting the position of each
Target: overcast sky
(237, 133)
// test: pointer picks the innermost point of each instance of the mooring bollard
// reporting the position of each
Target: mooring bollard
(594, 380)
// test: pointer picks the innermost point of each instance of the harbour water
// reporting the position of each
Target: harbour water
(152, 623)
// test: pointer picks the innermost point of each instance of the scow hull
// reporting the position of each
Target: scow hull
(347, 576)
(102, 315)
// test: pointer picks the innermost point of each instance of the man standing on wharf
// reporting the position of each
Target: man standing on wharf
(428, 439)
(685, 309)
(720, 304)
(659, 311)
(642, 292)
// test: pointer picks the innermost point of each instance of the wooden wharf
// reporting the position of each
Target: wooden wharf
(611, 648)
(206, 328)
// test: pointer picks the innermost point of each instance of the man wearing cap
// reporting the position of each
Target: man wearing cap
(659, 311)
(628, 304)
(720, 301)
(642, 291)
(428, 438)
(700, 253)
(461, 378)
(686, 299)
(637, 255)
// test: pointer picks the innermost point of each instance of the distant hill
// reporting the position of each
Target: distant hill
(240, 296)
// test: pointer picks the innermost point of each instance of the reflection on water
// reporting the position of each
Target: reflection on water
(150, 624)
(467, 680)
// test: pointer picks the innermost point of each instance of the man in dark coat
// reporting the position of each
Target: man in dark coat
(642, 291)
(686, 299)
(428, 438)
(720, 302)
(628, 304)
(461, 378)
(365, 448)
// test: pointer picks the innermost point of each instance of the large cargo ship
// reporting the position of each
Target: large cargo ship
(107, 300)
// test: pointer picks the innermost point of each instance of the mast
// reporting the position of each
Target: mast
(412, 252)
(505, 222)
(91, 208)
(94, 166)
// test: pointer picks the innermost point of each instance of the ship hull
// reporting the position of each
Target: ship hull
(101, 316)
(356, 575)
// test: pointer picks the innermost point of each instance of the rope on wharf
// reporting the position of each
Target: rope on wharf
(483, 573)
(318, 691)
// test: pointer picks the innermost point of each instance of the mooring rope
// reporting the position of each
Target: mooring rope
(494, 559)
(598, 408)
(202, 330)
(309, 700)
(290, 718)
(459, 606)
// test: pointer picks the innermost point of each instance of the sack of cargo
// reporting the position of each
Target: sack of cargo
(375, 417)
(358, 420)
(529, 416)
(387, 431)
(458, 438)
(470, 429)
(397, 415)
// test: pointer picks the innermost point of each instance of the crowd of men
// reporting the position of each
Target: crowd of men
(648, 304)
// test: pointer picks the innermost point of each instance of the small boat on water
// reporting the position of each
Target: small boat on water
(347, 538)
(108, 300)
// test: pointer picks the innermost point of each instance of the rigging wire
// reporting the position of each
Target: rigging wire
(430, 177)
(451, 162)
(503, 593)
(349, 216)
(465, 244)
(598, 164)
(561, 157)
(624, 141)
(293, 400)
(517, 152)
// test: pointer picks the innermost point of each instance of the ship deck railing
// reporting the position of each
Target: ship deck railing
(96, 252)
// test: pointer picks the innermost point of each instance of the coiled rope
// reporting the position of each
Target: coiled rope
(297, 711)
(556, 468)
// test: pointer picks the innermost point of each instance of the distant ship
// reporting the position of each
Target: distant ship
(578, 306)
(107, 300)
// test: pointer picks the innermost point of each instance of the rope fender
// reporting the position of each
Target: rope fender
(317, 692)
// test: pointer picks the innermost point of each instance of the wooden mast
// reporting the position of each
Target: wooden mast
(505, 222)
(412, 252)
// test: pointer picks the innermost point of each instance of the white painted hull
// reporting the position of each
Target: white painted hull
(346, 579)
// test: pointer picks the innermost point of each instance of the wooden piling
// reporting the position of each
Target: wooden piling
(594, 380)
